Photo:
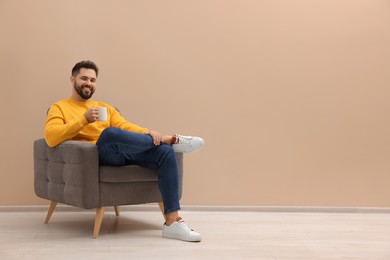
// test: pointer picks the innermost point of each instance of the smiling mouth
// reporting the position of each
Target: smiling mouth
(86, 88)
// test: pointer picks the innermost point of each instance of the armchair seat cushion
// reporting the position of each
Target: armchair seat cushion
(130, 173)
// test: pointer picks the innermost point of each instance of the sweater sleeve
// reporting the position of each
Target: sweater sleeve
(57, 131)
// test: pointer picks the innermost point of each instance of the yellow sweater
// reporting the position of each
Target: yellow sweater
(66, 121)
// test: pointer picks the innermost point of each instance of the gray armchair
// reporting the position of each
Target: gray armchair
(70, 174)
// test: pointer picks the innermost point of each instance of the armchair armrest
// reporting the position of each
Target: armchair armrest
(67, 173)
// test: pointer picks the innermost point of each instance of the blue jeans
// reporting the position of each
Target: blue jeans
(119, 147)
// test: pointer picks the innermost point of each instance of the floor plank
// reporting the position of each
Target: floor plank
(226, 235)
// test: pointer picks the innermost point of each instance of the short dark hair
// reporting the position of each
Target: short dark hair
(87, 64)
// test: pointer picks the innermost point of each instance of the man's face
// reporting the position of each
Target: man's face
(85, 83)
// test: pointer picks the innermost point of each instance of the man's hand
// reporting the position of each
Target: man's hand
(157, 137)
(92, 114)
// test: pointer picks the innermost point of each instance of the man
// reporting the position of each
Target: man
(121, 142)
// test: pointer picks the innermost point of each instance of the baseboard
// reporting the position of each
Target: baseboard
(202, 208)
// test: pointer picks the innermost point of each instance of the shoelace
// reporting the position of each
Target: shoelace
(183, 224)
(184, 139)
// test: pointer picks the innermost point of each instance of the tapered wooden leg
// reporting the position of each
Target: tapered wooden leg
(52, 207)
(98, 221)
(161, 205)
(116, 210)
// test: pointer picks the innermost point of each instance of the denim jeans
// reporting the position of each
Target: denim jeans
(119, 147)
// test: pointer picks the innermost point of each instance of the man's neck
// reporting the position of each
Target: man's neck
(76, 97)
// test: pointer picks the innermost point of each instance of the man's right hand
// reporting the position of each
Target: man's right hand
(92, 114)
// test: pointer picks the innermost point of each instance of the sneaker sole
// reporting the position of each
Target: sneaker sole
(195, 239)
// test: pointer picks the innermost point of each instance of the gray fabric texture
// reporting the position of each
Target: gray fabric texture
(70, 174)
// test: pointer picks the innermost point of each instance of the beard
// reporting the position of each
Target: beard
(84, 91)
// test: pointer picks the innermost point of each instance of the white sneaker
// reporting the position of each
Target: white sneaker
(187, 144)
(180, 230)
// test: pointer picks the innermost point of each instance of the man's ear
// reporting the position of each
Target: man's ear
(72, 79)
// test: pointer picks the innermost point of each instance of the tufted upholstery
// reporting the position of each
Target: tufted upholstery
(70, 173)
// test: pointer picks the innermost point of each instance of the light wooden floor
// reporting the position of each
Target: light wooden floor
(226, 235)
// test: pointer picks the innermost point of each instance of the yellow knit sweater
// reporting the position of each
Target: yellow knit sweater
(66, 121)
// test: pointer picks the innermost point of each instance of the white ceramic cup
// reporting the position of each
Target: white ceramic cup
(102, 114)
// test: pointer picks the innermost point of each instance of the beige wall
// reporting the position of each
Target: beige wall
(292, 97)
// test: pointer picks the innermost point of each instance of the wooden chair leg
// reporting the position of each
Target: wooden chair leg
(161, 205)
(52, 207)
(116, 210)
(98, 221)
